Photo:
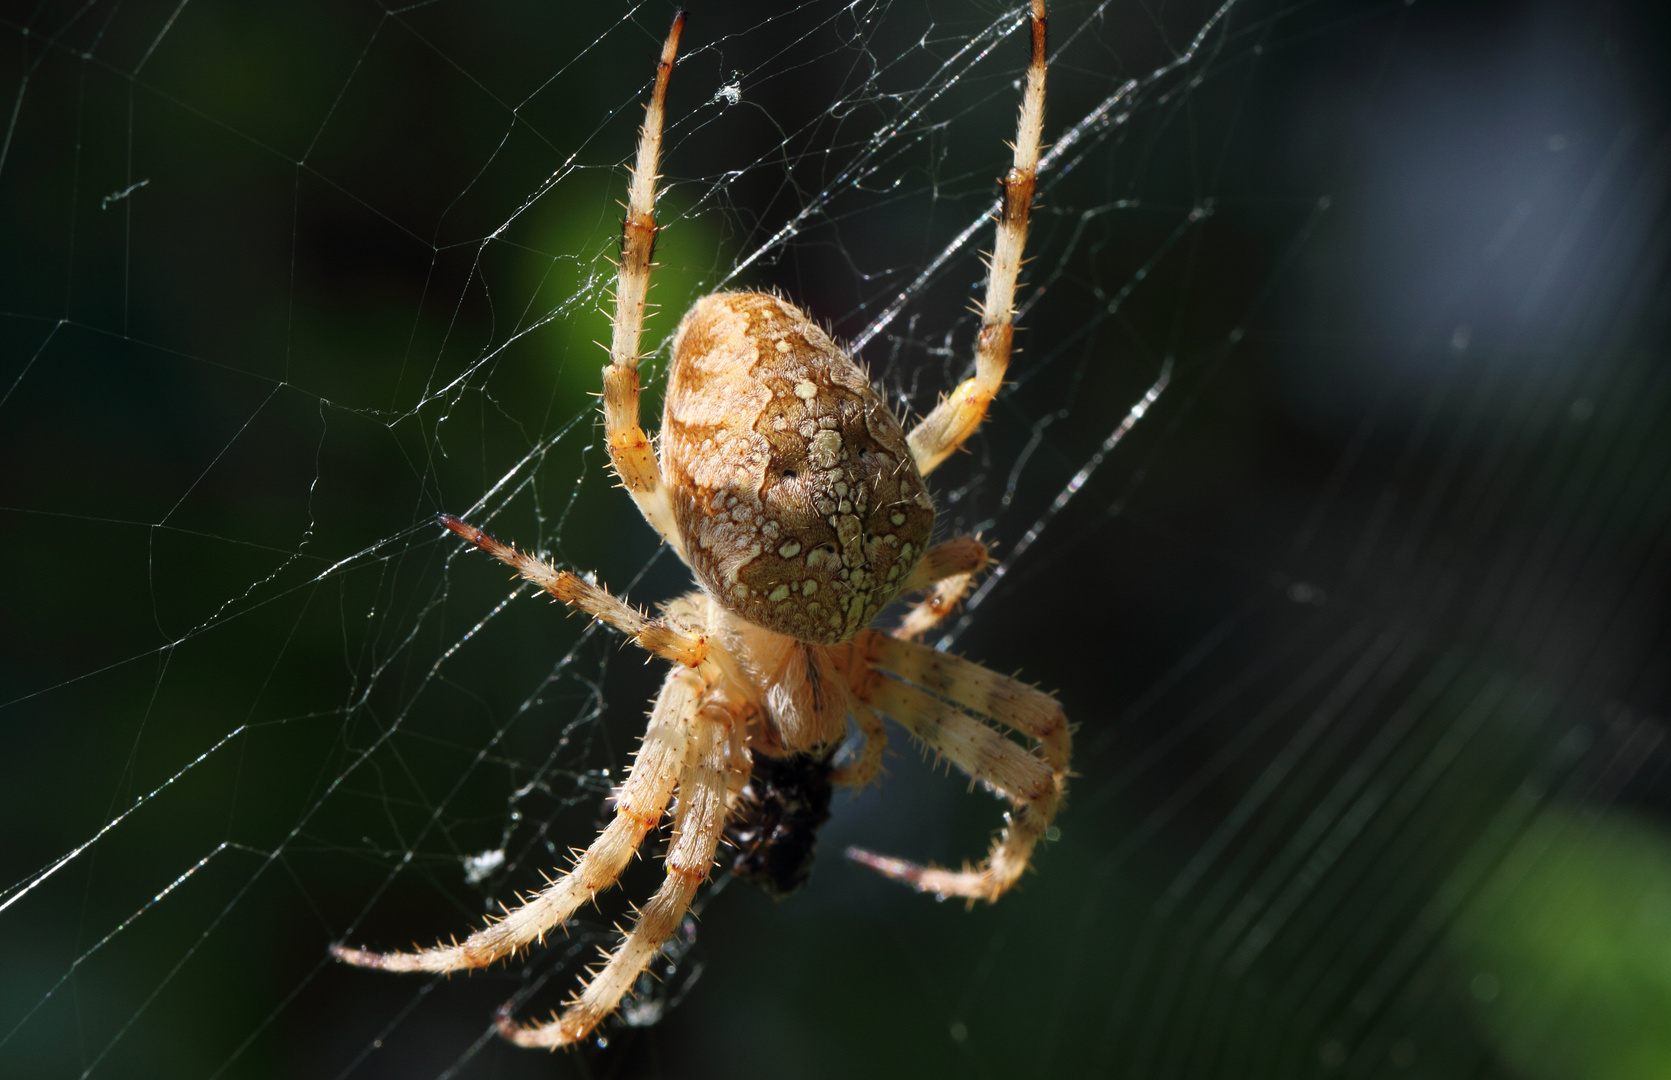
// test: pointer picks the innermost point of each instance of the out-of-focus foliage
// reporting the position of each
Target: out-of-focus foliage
(1570, 948)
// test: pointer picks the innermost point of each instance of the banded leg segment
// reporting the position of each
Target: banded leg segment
(1035, 783)
(630, 449)
(952, 422)
(653, 635)
(709, 771)
(638, 807)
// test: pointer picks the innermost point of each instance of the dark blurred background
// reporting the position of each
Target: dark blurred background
(1364, 624)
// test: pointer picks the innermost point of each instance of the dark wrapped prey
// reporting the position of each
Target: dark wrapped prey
(775, 826)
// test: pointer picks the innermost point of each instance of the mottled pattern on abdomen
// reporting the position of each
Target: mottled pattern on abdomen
(791, 481)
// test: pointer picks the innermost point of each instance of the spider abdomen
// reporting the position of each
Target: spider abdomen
(792, 484)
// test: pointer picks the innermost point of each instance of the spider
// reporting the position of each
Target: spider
(797, 500)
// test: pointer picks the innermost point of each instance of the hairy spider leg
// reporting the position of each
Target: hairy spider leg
(867, 765)
(709, 772)
(956, 417)
(653, 635)
(946, 571)
(630, 449)
(1010, 701)
(1034, 782)
(638, 808)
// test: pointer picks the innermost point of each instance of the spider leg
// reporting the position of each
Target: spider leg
(653, 635)
(638, 807)
(1034, 782)
(709, 771)
(630, 449)
(979, 689)
(956, 418)
(864, 769)
(947, 570)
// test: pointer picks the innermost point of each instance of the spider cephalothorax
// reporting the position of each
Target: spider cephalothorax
(798, 501)
(801, 508)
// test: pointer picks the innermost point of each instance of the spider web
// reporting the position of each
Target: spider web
(1330, 494)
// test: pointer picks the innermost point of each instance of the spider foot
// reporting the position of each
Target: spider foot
(440, 958)
(935, 880)
(357, 957)
(551, 1035)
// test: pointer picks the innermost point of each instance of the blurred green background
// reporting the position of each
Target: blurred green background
(1364, 625)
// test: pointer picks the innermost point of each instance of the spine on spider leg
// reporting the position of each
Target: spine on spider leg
(638, 809)
(702, 786)
(957, 417)
(653, 635)
(629, 447)
(998, 309)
